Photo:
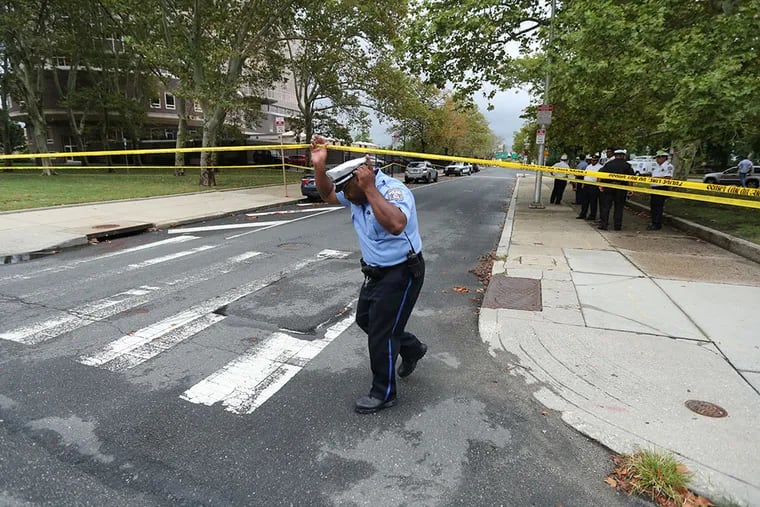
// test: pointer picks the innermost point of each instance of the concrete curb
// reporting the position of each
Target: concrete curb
(739, 246)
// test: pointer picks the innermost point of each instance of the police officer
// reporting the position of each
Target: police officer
(610, 197)
(385, 219)
(663, 170)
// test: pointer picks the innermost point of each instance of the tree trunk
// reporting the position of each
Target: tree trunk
(210, 130)
(179, 158)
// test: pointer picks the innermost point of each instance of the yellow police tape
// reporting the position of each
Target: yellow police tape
(749, 193)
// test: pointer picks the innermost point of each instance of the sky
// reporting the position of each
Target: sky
(504, 119)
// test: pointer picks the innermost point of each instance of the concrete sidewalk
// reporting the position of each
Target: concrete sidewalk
(632, 325)
(24, 233)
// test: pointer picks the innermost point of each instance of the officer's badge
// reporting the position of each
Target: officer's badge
(395, 195)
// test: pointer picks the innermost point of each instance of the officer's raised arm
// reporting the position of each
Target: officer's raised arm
(325, 186)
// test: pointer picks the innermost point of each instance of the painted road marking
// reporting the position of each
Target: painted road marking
(248, 381)
(71, 265)
(170, 257)
(227, 226)
(136, 348)
(288, 212)
(79, 317)
(328, 210)
(85, 315)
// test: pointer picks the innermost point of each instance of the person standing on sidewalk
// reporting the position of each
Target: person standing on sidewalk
(610, 197)
(578, 185)
(559, 185)
(384, 216)
(589, 191)
(663, 170)
(745, 166)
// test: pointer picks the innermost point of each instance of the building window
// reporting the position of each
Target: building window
(114, 44)
(169, 134)
(155, 103)
(61, 61)
(50, 135)
(169, 101)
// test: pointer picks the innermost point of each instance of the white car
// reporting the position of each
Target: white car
(458, 169)
(421, 171)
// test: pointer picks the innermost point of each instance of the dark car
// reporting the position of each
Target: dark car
(309, 188)
(267, 157)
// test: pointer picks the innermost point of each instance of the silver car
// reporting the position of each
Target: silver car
(731, 177)
(421, 171)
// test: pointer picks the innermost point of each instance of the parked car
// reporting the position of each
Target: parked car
(421, 171)
(266, 157)
(731, 177)
(458, 169)
(296, 160)
(309, 188)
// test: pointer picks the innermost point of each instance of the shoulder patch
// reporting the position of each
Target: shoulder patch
(395, 195)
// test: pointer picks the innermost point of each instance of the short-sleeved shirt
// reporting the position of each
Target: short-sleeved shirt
(592, 168)
(561, 165)
(745, 165)
(664, 170)
(379, 247)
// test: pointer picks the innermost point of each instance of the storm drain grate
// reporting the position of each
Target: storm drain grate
(105, 226)
(513, 293)
(706, 408)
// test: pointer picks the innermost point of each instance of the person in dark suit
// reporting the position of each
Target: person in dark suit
(610, 197)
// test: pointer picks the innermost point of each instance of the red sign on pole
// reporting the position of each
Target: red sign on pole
(544, 114)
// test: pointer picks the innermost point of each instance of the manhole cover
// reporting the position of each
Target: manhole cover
(513, 293)
(706, 408)
(105, 226)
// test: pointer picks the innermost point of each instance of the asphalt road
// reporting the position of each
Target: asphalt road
(220, 367)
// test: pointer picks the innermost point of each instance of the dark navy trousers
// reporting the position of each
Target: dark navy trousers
(385, 304)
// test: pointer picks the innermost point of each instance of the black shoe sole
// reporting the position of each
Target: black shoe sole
(372, 410)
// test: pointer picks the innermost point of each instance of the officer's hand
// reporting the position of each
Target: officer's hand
(318, 151)
(365, 177)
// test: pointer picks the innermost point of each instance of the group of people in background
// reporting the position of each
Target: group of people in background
(593, 197)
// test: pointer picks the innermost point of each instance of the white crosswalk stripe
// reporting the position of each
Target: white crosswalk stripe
(144, 344)
(247, 382)
(90, 260)
(66, 321)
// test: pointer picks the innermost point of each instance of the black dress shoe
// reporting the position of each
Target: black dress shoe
(653, 227)
(580, 217)
(618, 228)
(591, 218)
(370, 405)
(602, 227)
(407, 367)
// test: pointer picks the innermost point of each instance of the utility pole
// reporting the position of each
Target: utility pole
(537, 189)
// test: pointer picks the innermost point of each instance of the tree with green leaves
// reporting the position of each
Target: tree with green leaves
(337, 57)
(222, 54)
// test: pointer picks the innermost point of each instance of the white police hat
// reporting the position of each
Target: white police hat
(341, 174)
(620, 152)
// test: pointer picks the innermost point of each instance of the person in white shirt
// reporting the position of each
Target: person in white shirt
(664, 169)
(559, 185)
(589, 191)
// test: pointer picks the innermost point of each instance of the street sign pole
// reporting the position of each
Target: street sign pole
(536, 204)
(279, 123)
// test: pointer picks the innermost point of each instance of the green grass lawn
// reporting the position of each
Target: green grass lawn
(734, 220)
(29, 189)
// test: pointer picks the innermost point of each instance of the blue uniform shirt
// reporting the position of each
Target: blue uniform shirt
(380, 247)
